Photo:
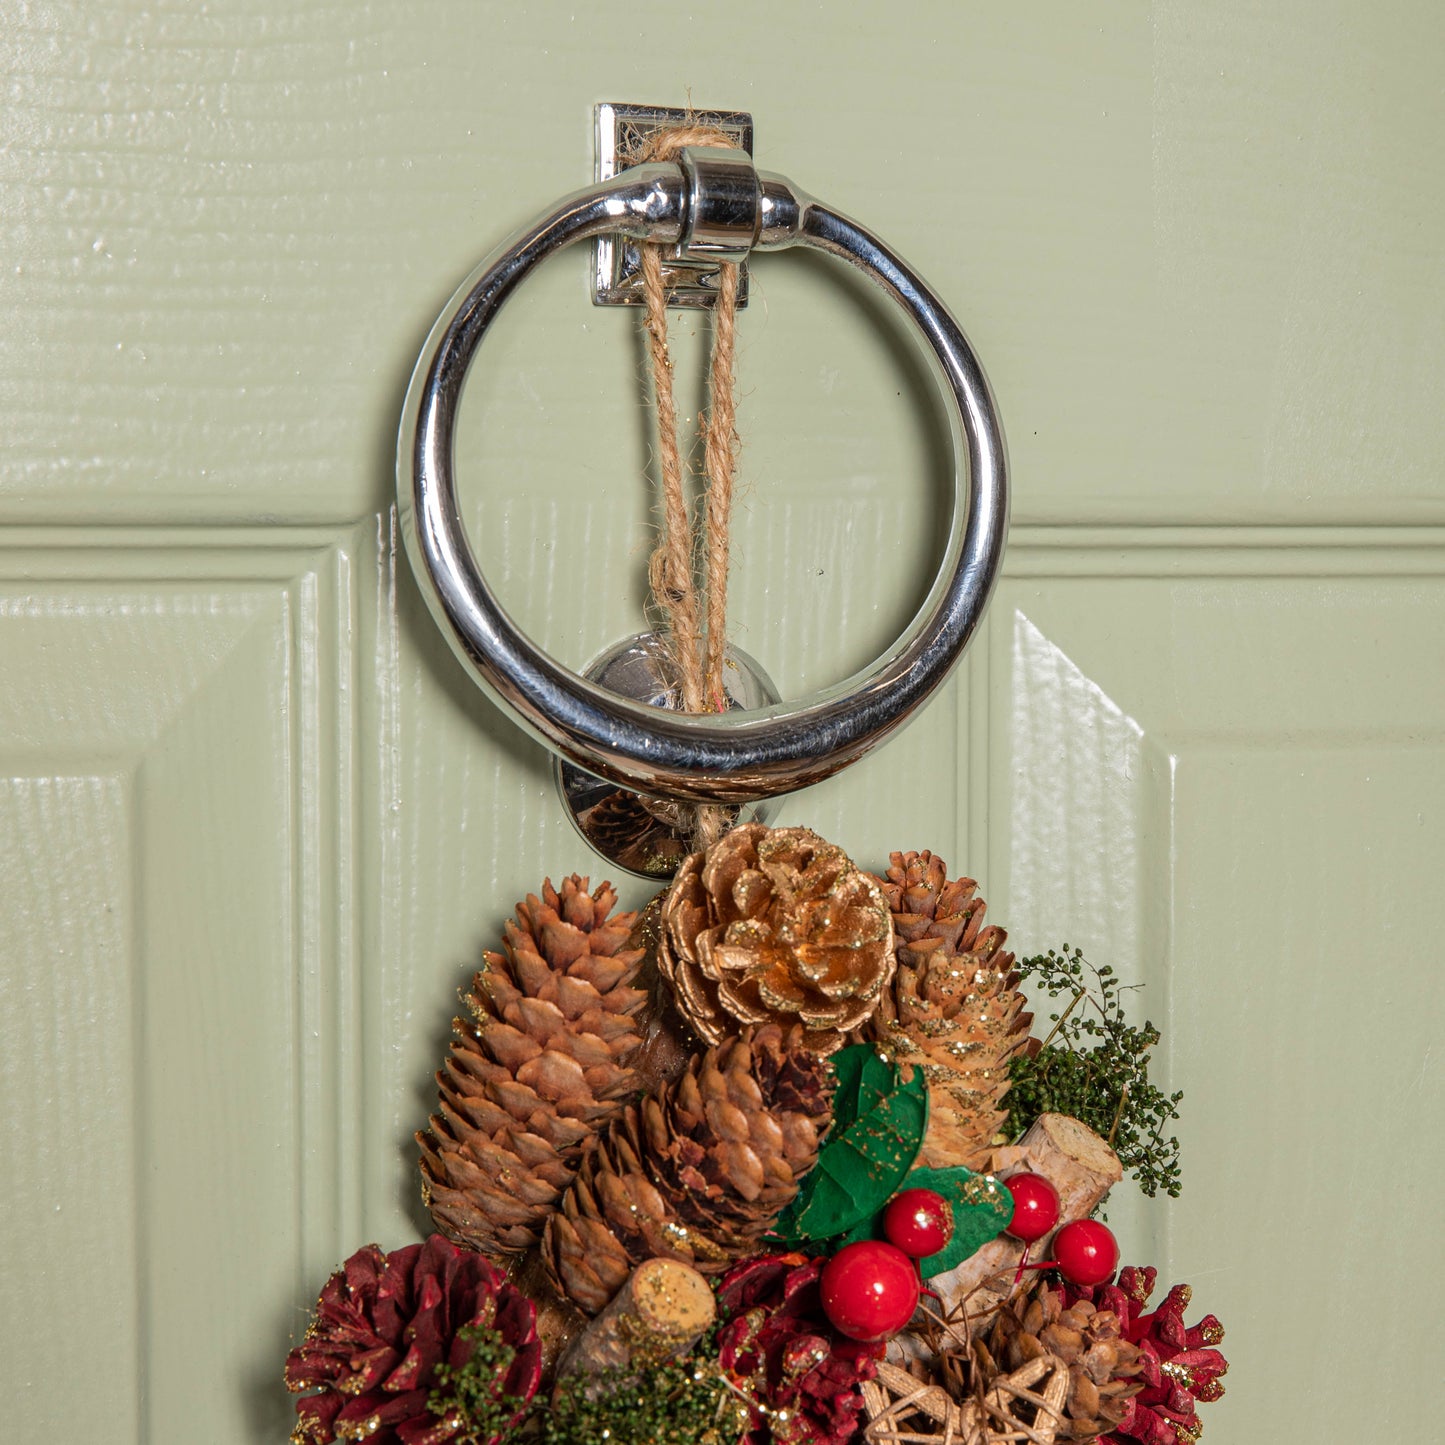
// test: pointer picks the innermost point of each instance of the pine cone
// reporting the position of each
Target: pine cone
(953, 1007)
(1179, 1368)
(540, 1067)
(774, 925)
(621, 826)
(777, 1346)
(1102, 1364)
(383, 1324)
(697, 1172)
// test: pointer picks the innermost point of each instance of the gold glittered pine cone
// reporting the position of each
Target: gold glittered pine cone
(1103, 1366)
(537, 1070)
(775, 925)
(952, 1007)
(697, 1172)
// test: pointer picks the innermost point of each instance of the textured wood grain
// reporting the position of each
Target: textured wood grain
(68, 1075)
(1199, 253)
(1199, 249)
(175, 944)
(1257, 846)
(1081, 1167)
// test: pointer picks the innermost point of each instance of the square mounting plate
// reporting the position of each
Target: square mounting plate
(622, 130)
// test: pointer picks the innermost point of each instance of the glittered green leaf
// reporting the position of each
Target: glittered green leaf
(861, 1079)
(982, 1208)
(861, 1165)
(847, 1076)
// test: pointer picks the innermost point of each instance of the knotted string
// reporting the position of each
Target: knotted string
(698, 641)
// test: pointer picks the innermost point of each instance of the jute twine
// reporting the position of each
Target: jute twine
(698, 641)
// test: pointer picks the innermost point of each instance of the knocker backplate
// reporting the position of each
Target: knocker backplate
(622, 131)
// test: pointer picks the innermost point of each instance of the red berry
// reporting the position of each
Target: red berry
(1036, 1207)
(869, 1290)
(919, 1222)
(1086, 1252)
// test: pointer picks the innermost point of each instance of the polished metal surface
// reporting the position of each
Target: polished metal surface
(723, 204)
(648, 835)
(690, 281)
(708, 758)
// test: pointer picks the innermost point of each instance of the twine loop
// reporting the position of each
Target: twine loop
(695, 620)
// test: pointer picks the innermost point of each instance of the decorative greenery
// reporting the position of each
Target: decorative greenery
(880, 1114)
(669, 1403)
(1095, 1066)
(980, 1205)
(473, 1390)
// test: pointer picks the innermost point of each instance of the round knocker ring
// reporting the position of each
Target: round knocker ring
(713, 205)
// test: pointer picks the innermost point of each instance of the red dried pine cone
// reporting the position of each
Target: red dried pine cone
(1181, 1369)
(383, 1324)
(804, 1378)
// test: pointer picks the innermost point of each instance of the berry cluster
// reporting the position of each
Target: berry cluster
(871, 1288)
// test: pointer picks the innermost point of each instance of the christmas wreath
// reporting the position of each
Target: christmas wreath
(779, 1160)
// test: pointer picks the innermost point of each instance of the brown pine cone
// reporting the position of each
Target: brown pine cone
(774, 925)
(1102, 1364)
(622, 826)
(698, 1172)
(538, 1069)
(952, 1007)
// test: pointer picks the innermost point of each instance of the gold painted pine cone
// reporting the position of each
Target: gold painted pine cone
(698, 1171)
(539, 1067)
(775, 925)
(952, 1007)
(1102, 1364)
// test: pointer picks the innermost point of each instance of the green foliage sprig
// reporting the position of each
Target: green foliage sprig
(1095, 1067)
(473, 1390)
(668, 1403)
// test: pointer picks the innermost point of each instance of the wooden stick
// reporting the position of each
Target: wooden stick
(659, 1314)
(1076, 1161)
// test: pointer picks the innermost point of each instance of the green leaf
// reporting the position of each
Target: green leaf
(861, 1079)
(870, 1228)
(847, 1076)
(982, 1208)
(861, 1164)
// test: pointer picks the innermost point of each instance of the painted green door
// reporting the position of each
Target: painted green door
(256, 825)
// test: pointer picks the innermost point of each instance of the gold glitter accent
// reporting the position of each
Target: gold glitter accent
(1182, 1373)
(1212, 1333)
(980, 1189)
(1187, 1433)
(701, 1246)
(961, 1048)
(360, 1429)
(814, 942)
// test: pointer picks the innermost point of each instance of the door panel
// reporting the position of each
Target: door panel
(177, 920)
(1250, 826)
(257, 825)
